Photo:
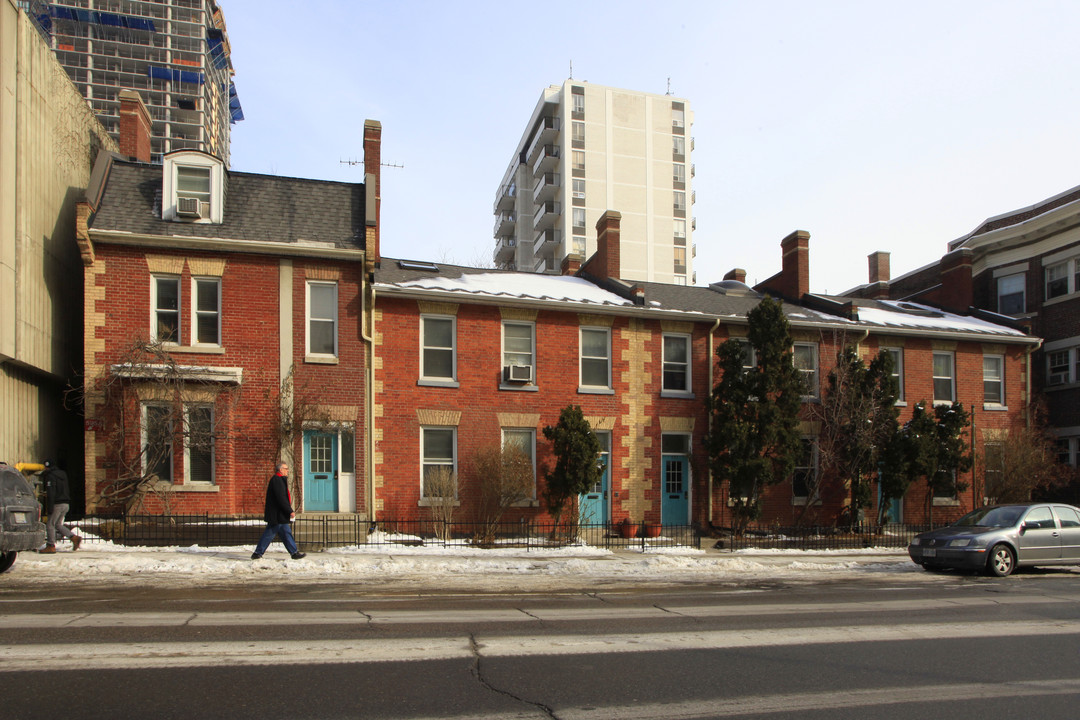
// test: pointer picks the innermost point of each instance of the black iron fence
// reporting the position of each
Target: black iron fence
(315, 532)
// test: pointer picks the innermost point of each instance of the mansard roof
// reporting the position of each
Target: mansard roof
(258, 208)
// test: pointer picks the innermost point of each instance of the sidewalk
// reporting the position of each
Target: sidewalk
(455, 568)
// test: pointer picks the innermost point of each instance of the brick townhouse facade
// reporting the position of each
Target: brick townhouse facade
(1023, 264)
(636, 358)
(281, 331)
(248, 291)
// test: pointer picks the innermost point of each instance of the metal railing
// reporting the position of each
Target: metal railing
(813, 537)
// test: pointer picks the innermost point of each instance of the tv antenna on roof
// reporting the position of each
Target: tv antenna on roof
(571, 69)
(361, 162)
(669, 86)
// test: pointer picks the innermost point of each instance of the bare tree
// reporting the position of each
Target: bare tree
(505, 476)
(1021, 464)
(147, 407)
(441, 493)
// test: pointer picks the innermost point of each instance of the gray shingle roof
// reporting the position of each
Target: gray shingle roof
(262, 208)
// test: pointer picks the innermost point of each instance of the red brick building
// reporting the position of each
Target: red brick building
(224, 329)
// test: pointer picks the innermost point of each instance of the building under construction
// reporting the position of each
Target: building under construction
(174, 53)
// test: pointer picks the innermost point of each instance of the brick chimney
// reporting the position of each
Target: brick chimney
(879, 275)
(736, 274)
(570, 264)
(795, 272)
(373, 187)
(957, 289)
(605, 262)
(134, 126)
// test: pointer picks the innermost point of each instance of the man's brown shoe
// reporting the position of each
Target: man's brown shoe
(48, 550)
(76, 541)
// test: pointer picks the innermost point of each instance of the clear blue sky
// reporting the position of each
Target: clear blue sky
(872, 125)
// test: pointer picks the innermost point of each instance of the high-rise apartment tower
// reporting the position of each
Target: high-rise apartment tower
(174, 53)
(588, 149)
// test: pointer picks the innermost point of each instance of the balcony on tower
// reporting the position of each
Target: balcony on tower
(504, 250)
(547, 242)
(546, 215)
(545, 132)
(505, 198)
(546, 187)
(546, 159)
(505, 223)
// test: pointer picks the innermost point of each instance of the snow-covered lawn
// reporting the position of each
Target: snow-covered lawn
(449, 568)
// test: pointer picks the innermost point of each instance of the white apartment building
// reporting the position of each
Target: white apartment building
(587, 149)
(174, 53)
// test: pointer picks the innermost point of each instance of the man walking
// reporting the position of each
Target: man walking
(278, 514)
(57, 504)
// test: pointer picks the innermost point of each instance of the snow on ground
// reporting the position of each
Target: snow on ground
(449, 568)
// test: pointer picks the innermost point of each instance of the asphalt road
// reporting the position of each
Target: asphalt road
(955, 646)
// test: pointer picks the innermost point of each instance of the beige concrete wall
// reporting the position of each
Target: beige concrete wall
(48, 140)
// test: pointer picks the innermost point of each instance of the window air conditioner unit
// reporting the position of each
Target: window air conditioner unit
(518, 373)
(188, 207)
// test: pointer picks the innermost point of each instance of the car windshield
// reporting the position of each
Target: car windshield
(1005, 516)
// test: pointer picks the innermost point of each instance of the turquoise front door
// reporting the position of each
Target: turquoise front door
(320, 471)
(675, 502)
(595, 508)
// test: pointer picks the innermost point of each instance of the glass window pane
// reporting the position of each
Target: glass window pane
(168, 294)
(675, 349)
(207, 329)
(438, 332)
(206, 295)
(322, 337)
(675, 444)
(942, 366)
(594, 343)
(594, 372)
(438, 445)
(438, 363)
(348, 450)
(323, 301)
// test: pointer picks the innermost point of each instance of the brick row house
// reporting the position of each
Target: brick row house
(1025, 265)
(280, 330)
(224, 329)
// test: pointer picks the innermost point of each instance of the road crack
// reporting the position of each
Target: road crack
(478, 673)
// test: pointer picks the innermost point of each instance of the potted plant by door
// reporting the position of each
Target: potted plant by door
(628, 529)
(651, 530)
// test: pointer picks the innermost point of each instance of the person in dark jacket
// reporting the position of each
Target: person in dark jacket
(57, 504)
(278, 513)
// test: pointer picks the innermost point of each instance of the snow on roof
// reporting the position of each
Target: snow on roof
(520, 285)
(913, 315)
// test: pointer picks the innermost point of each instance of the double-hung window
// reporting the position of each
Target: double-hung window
(1057, 279)
(679, 260)
(165, 304)
(1058, 367)
(944, 378)
(1011, 294)
(206, 305)
(322, 319)
(897, 357)
(676, 364)
(519, 352)
(804, 478)
(805, 357)
(438, 359)
(438, 462)
(200, 444)
(157, 441)
(678, 147)
(193, 183)
(523, 439)
(577, 134)
(595, 344)
(579, 221)
(994, 380)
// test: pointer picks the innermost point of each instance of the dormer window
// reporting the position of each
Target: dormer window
(193, 187)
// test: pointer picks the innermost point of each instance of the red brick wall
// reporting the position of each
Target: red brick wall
(250, 338)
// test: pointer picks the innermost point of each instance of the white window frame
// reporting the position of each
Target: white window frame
(687, 390)
(577, 160)
(530, 449)
(678, 173)
(196, 313)
(154, 309)
(595, 389)
(578, 213)
(425, 462)
(951, 377)
(188, 409)
(679, 200)
(679, 268)
(577, 132)
(578, 188)
(1064, 266)
(532, 351)
(1000, 403)
(211, 208)
(308, 319)
(1068, 376)
(897, 354)
(680, 229)
(438, 379)
(578, 244)
(1014, 277)
(577, 102)
(678, 145)
(810, 374)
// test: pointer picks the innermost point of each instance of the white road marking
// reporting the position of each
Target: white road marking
(142, 655)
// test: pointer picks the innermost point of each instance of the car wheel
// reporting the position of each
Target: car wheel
(1002, 561)
(7, 560)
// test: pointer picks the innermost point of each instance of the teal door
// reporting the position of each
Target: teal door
(675, 503)
(320, 471)
(594, 505)
(895, 513)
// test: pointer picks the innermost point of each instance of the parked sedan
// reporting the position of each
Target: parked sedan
(1001, 538)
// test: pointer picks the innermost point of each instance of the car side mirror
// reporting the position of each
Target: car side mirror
(1023, 527)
